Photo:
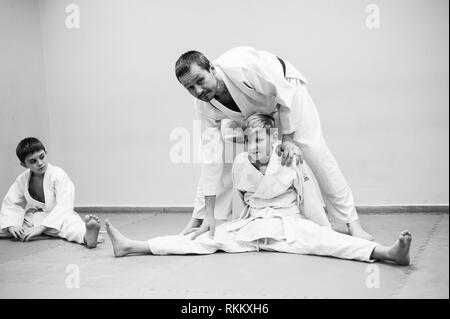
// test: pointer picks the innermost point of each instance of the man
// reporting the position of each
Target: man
(241, 82)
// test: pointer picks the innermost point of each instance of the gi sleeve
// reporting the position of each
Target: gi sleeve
(13, 206)
(268, 79)
(65, 197)
(237, 198)
(212, 148)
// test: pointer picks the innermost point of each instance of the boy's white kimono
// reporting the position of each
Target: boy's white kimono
(274, 208)
(57, 214)
(257, 83)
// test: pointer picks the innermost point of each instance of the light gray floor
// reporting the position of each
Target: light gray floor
(46, 269)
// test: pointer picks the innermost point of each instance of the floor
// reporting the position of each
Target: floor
(54, 268)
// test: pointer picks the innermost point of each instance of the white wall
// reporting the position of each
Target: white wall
(23, 108)
(113, 99)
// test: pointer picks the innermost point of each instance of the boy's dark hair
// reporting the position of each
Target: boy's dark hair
(184, 62)
(28, 146)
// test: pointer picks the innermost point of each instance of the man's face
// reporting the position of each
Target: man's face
(201, 83)
(259, 144)
(36, 162)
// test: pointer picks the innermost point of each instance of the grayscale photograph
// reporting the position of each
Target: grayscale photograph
(240, 151)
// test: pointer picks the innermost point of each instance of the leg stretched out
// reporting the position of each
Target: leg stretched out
(123, 246)
(321, 242)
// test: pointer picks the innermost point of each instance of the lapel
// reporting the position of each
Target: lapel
(241, 93)
(48, 191)
(240, 84)
(277, 179)
(46, 185)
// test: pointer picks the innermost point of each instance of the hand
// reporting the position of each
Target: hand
(33, 232)
(193, 225)
(288, 150)
(15, 231)
(209, 224)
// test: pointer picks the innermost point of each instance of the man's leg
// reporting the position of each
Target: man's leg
(335, 189)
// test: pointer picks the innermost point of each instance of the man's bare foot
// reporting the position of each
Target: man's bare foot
(92, 228)
(356, 230)
(119, 241)
(399, 251)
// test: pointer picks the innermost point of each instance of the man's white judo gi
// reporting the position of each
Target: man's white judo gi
(57, 214)
(257, 83)
(273, 210)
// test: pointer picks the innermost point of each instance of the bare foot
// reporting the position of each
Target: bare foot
(119, 241)
(399, 252)
(356, 230)
(92, 228)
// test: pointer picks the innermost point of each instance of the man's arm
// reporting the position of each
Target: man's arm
(211, 171)
(267, 78)
(237, 200)
(209, 222)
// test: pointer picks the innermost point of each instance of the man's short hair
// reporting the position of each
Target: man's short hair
(28, 146)
(184, 62)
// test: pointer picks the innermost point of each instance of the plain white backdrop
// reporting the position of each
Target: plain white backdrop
(104, 98)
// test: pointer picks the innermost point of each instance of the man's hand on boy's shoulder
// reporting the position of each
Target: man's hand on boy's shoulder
(15, 231)
(289, 151)
(33, 232)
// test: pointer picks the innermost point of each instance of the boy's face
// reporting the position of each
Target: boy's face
(36, 162)
(259, 144)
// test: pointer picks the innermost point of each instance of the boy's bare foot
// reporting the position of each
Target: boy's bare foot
(356, 230)
(399, 251)
(92, 228)
(119, 241)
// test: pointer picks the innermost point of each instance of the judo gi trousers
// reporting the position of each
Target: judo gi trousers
(335, 191)
(310, 239)
(72, 229)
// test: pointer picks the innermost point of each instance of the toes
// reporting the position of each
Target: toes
(405, 236)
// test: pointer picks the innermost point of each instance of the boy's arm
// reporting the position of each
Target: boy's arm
(13, 207)
(65, 197)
